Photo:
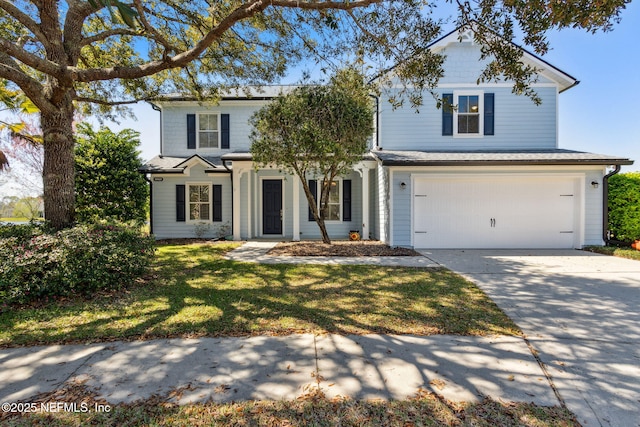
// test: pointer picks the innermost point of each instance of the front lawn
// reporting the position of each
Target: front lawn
(196, 292)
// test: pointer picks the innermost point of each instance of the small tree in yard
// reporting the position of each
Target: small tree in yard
(319, 130)
(108, 184)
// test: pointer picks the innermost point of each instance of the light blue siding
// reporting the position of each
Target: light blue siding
(593, 208)
(374, 229)
(519, 124)
(165, 225)
(401, 208)
(463, 64)
(174, 123)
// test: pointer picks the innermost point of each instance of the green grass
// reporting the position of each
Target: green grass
(424, 410)
(196, 292)
(629, 253)
(15, 219)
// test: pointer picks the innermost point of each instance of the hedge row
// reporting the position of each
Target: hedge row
(624, 206)
(36, 264)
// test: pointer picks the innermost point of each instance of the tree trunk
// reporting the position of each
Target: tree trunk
(314, 209)
(59, 165)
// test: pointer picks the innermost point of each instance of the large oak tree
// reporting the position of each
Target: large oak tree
(100, 54)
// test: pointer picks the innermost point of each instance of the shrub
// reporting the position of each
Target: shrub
(624, 206)
(82, 260)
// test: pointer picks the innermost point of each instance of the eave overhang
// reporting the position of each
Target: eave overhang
(497, 158)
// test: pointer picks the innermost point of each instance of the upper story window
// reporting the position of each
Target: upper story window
(468, 114)
(208, 130)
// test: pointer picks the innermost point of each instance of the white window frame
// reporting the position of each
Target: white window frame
(188, 202)
(211, 113)
(319, 183)
(456, 96)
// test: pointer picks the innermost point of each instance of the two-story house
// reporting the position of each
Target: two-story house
(487, 173)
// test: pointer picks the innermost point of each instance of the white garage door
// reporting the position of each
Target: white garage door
(495, 212)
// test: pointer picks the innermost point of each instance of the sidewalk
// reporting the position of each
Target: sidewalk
(274, 368)
(257, 252)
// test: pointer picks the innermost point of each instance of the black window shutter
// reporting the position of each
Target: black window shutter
(224, 131)
(180, 203)
(346, 200)
(314, 191)
(191, 131)
(489, 113)
(217, 202)
(447, 114)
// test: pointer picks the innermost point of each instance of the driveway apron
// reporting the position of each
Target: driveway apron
(581, 314)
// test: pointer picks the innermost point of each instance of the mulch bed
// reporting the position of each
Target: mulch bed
(339, 248)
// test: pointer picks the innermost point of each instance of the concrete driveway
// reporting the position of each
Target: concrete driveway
(580, 312)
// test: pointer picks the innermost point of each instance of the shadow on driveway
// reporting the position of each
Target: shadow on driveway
(580, 311)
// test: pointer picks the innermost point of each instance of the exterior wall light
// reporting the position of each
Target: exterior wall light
(403, 185)
(594, 184)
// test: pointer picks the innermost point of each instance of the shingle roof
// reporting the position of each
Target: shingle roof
(167, 164)
(496, 157)
(245, 156)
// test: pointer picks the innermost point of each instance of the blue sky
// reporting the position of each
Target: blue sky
(600, 115)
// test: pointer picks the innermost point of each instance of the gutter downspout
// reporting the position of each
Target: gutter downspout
(146, 178)
(159, 110)
(377, 137)
(224, 163)
(605, 204)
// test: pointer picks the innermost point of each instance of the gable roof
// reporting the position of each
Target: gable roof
(167, 164)
(564, 80)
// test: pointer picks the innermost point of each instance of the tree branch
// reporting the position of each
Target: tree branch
(39, 64)
(109, 33)
(24, 19)
(246, 10)
(109, 103)
(9, 70)
(148, 27)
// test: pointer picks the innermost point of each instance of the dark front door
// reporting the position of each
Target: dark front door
(272, 206)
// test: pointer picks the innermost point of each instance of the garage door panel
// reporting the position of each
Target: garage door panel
(494, 212)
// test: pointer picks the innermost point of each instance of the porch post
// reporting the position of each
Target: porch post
(296, 209)
(237, 172)
(365, 203)
(249, 209)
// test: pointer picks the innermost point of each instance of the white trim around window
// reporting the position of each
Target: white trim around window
(199, 203)
(211, 127)
(339, 204)
(469, 105)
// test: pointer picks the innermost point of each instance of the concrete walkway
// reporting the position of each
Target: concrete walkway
(580, 311)
(257, 252)
(231, 369)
